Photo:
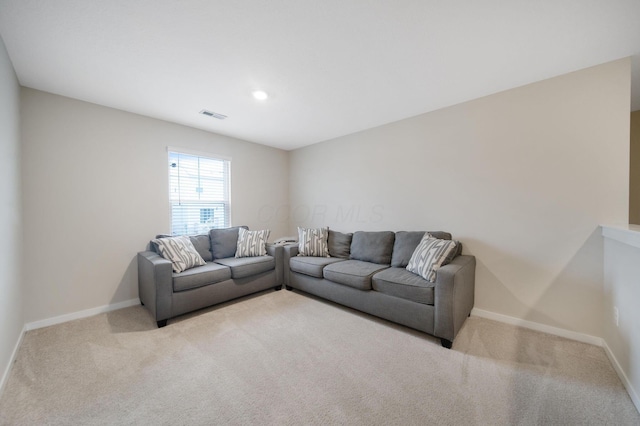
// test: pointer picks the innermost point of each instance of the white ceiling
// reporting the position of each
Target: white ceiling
(332, 67)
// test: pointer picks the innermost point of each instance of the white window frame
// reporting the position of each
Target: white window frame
(199, 228)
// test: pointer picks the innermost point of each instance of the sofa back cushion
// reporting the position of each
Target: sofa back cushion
(406, 242)
(224, 242)
(203, 246)
(339, 244)
(375, 247)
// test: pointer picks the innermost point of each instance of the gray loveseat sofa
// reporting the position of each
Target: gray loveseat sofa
(167, 294)
(367, 271)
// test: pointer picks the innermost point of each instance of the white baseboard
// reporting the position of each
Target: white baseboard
(561, 332)
(12, 359)
(80, 314)
(623, 377)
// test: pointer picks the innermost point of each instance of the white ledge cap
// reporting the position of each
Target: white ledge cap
(627, 234)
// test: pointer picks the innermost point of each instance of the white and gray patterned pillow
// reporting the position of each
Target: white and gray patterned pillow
(430, 255)
(252, 243)
(313, 242)
(180, 251)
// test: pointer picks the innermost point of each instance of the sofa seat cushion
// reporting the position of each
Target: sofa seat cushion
(209, 273)
(242, 267)
(401, 283)
(354, 273)
(311, 266)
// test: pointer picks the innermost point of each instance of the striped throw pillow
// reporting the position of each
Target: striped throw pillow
(313, 242)
(252, 243)
(180, 251)
(430, 255)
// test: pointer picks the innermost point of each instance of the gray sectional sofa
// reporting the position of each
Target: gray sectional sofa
(367, 271)
(167, 294)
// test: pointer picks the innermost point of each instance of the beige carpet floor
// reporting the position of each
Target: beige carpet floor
(286, 358)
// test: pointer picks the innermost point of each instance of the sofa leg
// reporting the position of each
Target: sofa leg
(161, 323)
(278, 288)
(446, 343)
(288, 287)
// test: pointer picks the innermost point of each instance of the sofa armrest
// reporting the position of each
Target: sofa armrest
(454, 295)
(290, 250)
(155, 284)
(278, 253)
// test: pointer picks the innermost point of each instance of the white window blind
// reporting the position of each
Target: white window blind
(198, 192)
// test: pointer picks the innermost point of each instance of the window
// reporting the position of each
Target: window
(198, 192)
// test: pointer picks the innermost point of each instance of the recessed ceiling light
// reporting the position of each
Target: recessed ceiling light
(260, 95)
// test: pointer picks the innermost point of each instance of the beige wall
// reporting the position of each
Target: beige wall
(96, 190)
(11, 313)
(523, 178)
(634, 172)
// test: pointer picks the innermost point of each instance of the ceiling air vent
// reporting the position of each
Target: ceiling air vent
(213, 114)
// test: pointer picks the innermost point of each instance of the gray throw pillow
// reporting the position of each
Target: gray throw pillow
(224, 242)
(375, 247)
(339, 244)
